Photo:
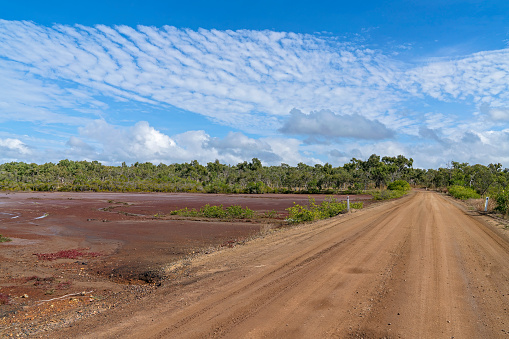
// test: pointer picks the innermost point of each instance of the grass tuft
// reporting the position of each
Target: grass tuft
(4, 239)
(461, 192)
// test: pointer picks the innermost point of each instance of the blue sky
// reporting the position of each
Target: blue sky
(283, 81)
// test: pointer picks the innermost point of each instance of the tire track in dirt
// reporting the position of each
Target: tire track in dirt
(431, 292)
(418, 267)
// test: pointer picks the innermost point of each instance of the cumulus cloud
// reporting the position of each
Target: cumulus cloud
(14, 145)
(12, 149)
(142, 142)
(325, 124)
(238, 145)
(139, 141)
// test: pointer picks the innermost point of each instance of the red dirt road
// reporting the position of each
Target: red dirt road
(418, 267)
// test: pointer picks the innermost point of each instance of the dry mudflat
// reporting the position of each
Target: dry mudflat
(418, 267)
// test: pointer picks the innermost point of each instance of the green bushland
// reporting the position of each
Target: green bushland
(464, 193)
(355, 177)
(217, 211)
(330, 207)
(4, 239)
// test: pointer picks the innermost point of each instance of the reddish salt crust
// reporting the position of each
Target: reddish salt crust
(67, 254)
(128, 225)
(127, 234)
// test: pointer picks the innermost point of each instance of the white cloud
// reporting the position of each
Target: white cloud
(14, 145)
(12, 149)
(242, 147)
(142, 142)
(223, 75)
(482, 77)
(25, 97)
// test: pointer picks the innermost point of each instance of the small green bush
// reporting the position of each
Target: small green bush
(4, 239)
(237, 212)
(502, 199)
(356, 205)
(213, 211)
(185, 212)
(399, 185)
(464, 193)
(217, 211)
(330, 207)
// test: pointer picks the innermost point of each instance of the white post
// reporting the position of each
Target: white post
(486, 204)
(348, 203)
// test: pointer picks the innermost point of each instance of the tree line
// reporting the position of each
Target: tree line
(248, 177)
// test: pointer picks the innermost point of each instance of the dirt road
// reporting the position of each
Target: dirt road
(418, 267)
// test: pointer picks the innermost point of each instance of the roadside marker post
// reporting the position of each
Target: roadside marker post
(348, 203)
(486, 204)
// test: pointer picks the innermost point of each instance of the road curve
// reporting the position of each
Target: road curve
(418, 267)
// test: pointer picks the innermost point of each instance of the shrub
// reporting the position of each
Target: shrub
(4, 239)
(213, 211)
(298, 213)
(208, 211)
(237, 212)
(502, 199)
(399, 185)
(330, 207)
(461, 192)
(356, 205)
(185, 212)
